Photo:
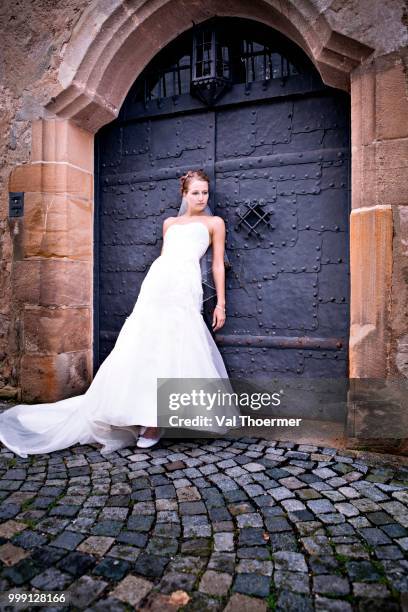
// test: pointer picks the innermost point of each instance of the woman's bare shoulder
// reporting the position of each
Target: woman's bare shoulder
(217, 223)
(169, 221)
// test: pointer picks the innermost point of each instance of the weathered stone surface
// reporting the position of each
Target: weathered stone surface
(243, 603)
(62, 141)
(57, 225)
(112, 569)
(51, 178)
(294, 562)
(254, 566)
(371, 231)
(9, 528)
(57, 330)
(10, 554)
(85, 590)
(54, 377)
(252, 584)
(51, 579)
(50, 282)
(390, 93)
(132, 590)
(331, 585)
(96, 545)
(215, 583)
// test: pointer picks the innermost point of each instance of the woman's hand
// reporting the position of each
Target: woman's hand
(218, 318)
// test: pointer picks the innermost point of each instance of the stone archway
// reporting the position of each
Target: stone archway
(109, 49)
(53, 242)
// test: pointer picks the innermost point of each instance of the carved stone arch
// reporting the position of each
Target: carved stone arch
(114, 41)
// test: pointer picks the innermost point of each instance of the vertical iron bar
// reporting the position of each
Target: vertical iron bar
(264, 63)
(179, 77)
(213, 56)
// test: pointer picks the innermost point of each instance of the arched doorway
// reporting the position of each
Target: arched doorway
(238, 99)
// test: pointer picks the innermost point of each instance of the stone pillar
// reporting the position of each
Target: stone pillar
(371, 271)
(379, 257)
(378, 247)
(53, 262)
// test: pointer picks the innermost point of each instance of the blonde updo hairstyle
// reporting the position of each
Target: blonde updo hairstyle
(186, 179)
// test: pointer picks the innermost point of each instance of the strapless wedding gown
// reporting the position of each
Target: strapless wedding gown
(165, 336)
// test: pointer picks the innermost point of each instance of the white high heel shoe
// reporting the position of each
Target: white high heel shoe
(148, 442)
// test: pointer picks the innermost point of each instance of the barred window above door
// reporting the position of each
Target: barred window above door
(263, 63)
(172, 80)
(244, 52)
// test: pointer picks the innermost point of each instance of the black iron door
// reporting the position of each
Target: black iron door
(282, 187)
(278, 156)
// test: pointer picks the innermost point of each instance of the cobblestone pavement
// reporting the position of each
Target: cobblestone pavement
(207, 525)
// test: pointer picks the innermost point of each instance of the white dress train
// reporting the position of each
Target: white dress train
(165, 336)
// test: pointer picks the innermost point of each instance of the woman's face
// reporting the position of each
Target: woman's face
(197, 196)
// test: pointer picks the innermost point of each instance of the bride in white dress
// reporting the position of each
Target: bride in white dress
(165, 336)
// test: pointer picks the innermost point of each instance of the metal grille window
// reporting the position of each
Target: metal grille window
(210, 66)
(262, 64)
(171, 81)
(253, 217)
(215, 56)
(223, 63)
(204, 43)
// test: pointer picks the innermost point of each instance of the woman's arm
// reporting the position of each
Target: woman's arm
(218, 270)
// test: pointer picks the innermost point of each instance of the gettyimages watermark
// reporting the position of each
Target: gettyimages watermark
(220, 407)
(224, 409)
(210, 407)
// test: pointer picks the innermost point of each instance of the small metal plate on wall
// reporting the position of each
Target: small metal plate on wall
(16, 203)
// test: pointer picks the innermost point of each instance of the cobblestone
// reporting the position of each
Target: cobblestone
(235, 524)
(215, 583)
(252, 584)
(51, 580)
